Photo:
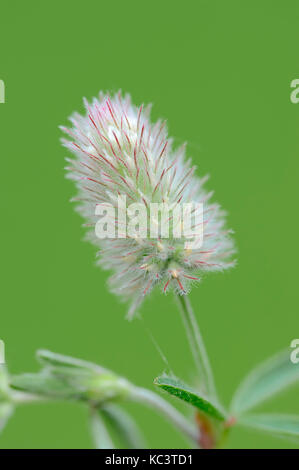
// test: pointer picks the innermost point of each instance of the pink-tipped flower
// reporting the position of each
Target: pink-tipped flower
(120, 153)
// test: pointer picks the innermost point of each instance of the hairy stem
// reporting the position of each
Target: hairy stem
(197, 345)
(156, 402)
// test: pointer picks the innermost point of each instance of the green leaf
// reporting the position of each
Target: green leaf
(68, 383)
(44, 384)
(268, 379)
(185, 393)
(51, 359)
(96, 387)
(124, 426)
(4, 384)
(71, 375)
(99, 432)
(286, 426)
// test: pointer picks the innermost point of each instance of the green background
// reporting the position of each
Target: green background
(220, 72)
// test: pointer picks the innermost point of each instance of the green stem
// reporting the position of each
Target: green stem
(100, 434)
(197, 345)
(153, 400)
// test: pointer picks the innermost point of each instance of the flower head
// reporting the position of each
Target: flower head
(119, 152)
(68, 378)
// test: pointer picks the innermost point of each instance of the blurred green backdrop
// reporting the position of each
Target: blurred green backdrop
(220, 72)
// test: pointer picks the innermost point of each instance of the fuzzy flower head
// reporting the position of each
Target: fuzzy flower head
(119, 155)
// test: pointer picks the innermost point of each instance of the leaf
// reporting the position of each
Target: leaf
(99, 432)
(93, 386)
(286, 426)
(124, 426)
(71, 375)
(51, 359)
(44, 384)
(4, 384)
(185, 393)
(268, 379)
(68, 383)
